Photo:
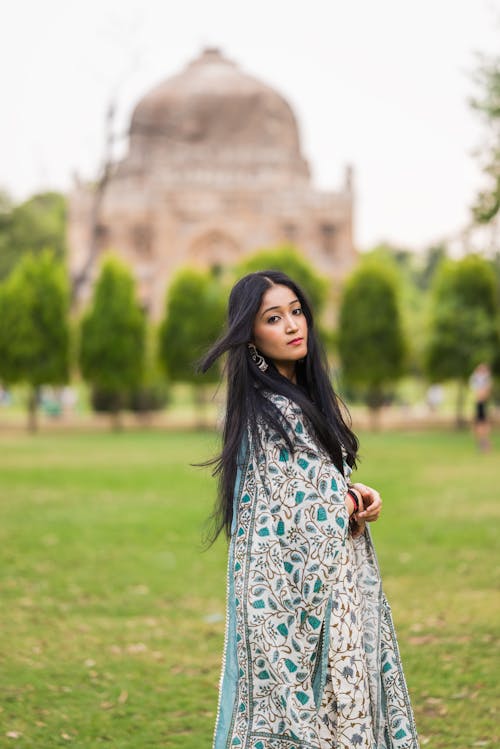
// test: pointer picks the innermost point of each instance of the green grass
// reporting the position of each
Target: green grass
(112, 617)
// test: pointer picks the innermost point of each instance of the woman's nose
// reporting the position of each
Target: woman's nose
(291, 324)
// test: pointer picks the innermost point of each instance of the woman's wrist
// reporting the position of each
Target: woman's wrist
(353, 500)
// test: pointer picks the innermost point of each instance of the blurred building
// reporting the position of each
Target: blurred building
(214, 171)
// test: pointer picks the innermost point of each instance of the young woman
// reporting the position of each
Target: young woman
(310, 655)
(481, 383)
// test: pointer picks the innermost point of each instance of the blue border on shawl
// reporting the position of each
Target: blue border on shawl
(230, 677)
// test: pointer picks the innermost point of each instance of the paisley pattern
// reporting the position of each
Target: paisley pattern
(345, 707)
(310, 655)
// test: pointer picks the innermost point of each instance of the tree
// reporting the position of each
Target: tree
(463, 324)
(112, 342)
(370, 339)
(35, 225)
(194, 319)
(433, 257)
(34, 327)
(487, 204)
(288, 260)
(495, 264)
(152, 394)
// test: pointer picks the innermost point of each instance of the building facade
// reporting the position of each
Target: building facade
(214, 172)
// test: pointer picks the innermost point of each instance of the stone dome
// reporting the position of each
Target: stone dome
(213, 113)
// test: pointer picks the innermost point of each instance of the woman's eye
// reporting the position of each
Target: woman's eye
(273, 319)
(297, 311)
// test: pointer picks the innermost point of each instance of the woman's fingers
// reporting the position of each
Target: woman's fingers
(372, 511)
(372, 503)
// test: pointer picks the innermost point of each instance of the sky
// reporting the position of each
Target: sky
(383, 86)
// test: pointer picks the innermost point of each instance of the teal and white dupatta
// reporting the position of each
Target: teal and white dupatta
(288, 542)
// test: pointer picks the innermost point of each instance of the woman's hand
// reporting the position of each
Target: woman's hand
(356, 524)
(372, 503)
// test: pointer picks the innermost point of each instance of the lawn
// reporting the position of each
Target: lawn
(112, 615)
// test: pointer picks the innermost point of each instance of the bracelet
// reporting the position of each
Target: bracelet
(355, 499)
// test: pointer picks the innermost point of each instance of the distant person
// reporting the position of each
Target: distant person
(69, 399)
(434, 397)
(5, 397)
(310, 655)
(481, 384)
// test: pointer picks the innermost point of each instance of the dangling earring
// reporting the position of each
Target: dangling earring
(257, 358)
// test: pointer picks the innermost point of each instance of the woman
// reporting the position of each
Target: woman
(310, 655)
(481, 384)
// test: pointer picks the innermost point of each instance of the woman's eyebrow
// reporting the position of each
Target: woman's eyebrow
(278, 307)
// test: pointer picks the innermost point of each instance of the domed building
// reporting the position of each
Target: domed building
(214, 172)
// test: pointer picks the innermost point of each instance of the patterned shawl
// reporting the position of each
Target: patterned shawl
(290, 525)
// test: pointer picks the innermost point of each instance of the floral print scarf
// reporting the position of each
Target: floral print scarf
(303, 669)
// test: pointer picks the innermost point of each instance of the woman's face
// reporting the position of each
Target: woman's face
(280, 329)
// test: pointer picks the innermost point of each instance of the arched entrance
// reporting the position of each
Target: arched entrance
(214, 249)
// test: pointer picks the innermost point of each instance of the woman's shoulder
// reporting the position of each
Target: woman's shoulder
(294, 424)
(287, 407)
(291, 415)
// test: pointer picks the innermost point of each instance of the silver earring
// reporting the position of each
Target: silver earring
(257, 358)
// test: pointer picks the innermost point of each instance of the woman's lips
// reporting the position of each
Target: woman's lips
(295, 342)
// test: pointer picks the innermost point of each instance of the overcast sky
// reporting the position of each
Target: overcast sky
(382, 85)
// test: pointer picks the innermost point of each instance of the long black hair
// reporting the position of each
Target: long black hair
(247, 384)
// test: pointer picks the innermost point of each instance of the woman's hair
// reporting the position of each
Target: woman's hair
(247, 385)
